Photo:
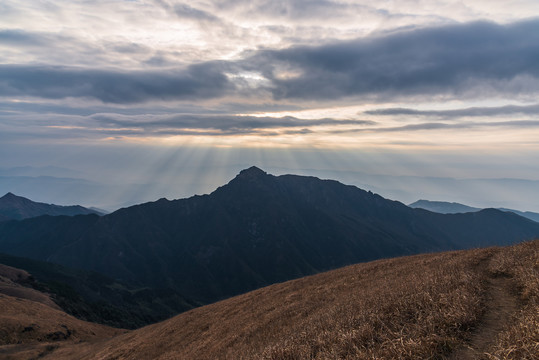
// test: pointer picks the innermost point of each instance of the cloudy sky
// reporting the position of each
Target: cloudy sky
(128, 92)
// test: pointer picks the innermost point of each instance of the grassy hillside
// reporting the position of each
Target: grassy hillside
(30, 329)
(11, 284)
(427, 306)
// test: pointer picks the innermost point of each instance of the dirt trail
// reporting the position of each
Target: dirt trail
(501, 304)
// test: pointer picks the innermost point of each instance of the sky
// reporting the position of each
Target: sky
(130, 101)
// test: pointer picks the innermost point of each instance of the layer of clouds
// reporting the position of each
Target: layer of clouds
(298, 10)
(170, 67)
(24, 39)
(114, 124)
(195, 82)
(55, 49)
(457, 113)
(517, 124)
(228, 124)
(201, 30)
(475, 60)
(436, 127)
(455, 10)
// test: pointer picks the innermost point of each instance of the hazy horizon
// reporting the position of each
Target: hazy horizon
(201, 171)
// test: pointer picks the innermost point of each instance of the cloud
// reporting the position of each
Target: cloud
(474, 60)
(466, 112)
(31, 47)
(200, 81)
(160, 125)
(223, 123)
(287, 9)
(22, 38)
(186, 11)
(189, 12)
(516, 124)
(452, 60)
(333, 13)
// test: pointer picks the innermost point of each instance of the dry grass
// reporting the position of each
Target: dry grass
(31, 324)
(30, 329)
(520, 339)
(406, 308)
(419, 307)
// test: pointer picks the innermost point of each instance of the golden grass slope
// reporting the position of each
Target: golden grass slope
(32, 325)
(520, 339)
(419, 307)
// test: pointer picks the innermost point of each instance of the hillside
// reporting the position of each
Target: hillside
(32, 326)
(475, 304)
(254, 231)
(12, 282)
(89, 295)
(17, 207)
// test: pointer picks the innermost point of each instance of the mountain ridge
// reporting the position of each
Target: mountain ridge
(445, 207)
(18, 208)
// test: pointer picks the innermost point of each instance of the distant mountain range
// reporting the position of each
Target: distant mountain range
(256, 230)
(444, 207)
(13, 207)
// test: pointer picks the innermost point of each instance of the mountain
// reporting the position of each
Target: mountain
(444, 207)
(472, 304)
(256, 230)
(527, 214)
(91, 296)
(99, 211)
(17, 208)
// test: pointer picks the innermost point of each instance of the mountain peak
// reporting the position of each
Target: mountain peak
(252, 173)
(9, 195)
(11, 198)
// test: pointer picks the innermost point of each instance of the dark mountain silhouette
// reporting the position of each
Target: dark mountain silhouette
(527, 214)
(18, 208)
(444, 207)
(256, 230)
